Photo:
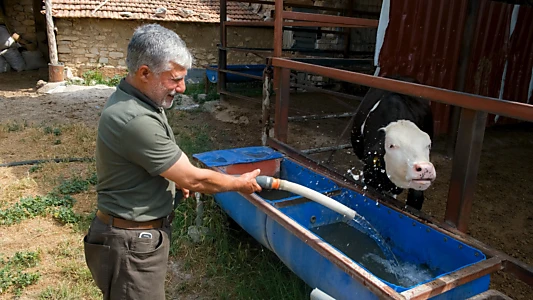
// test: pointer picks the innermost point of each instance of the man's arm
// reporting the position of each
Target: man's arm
(187, 176)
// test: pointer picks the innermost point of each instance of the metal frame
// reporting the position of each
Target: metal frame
(299, 22)
(470, 114)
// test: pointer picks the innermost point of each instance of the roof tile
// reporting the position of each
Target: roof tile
(204, 11)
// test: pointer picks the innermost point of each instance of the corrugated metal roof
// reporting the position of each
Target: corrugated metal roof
(423, 39)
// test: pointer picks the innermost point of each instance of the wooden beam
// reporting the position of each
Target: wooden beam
(52, 45)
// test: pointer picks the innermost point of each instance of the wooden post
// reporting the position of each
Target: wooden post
(50, 31)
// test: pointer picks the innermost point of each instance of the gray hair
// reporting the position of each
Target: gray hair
(156, 46)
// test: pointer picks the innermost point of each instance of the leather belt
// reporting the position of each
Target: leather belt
(127, 224)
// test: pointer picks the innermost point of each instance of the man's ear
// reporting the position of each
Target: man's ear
(144, 73)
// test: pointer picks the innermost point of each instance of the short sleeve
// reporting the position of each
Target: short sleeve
(145, 142)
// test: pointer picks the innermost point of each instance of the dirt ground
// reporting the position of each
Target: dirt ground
(502, 213)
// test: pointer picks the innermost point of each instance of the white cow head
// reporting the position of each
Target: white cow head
(407, 156)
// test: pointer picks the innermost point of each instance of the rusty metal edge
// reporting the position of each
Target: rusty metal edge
(452, 280)
(375, 285)
(297, 23)
(491, 105)
(319, 18)
(241, 74)
(521, 270)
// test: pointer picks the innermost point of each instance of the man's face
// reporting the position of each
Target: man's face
(163, 87)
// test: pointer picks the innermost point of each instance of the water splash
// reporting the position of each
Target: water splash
(411, 274)
(361, 224)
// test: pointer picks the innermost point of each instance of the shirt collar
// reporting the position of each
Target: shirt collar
(130, 89)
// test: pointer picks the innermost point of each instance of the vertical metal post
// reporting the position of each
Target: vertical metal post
(282, 104)
(278, 28)
(465, 167)
(465, 139)
(278, 37)
(464, 57)
(281, 79)
(222, 53)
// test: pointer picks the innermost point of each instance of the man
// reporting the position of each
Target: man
(139, 166)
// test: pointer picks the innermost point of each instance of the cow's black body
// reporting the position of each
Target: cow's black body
(369, 145)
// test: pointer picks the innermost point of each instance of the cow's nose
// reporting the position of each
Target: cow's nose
(425, 170)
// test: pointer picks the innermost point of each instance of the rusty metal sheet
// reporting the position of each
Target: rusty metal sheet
(519, 72)
(423, 40)
(489, 49)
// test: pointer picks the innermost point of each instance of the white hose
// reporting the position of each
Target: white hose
(317, 197)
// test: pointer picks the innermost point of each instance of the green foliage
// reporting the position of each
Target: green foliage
(50, 130)
(73, 186)
(16, 126)
(35, 168)
(195, 141)
(94, 77)
(196, 89)
(57, 203)
(12, 276)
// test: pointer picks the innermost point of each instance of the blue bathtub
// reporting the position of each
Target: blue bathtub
(283, 226)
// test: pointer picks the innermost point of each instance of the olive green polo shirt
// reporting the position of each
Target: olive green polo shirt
(135, 144)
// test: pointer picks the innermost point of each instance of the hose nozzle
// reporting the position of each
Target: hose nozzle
(268, 182)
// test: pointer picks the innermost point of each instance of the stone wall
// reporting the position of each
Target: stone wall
(95, 43)
(20, 18)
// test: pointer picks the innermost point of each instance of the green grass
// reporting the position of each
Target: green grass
(67, 291)
(12, 275)
(58, 203)
(230, 258)
(94, 77)
(250, 89)
(15, 126)
(239, 266)
(196, 141)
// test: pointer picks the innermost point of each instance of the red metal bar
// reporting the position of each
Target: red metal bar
(340, 21)
(250, 23)
(492, 105)
(241, 74)
(281, 121)
(465, 168)
(452, 280)
(297, 23)
(278, 40)
(222, 53)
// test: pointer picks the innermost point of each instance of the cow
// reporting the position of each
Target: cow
(391, 135)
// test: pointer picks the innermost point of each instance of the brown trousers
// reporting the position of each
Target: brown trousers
(126, 263)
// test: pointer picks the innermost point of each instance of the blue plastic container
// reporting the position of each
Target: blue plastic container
(212, 75)
(409, 239)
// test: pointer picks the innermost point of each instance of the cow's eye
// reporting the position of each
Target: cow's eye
(392, 146)
(429, 146)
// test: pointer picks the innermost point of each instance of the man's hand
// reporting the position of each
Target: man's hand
(187, 176)
(186, 193)
(249, 184)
